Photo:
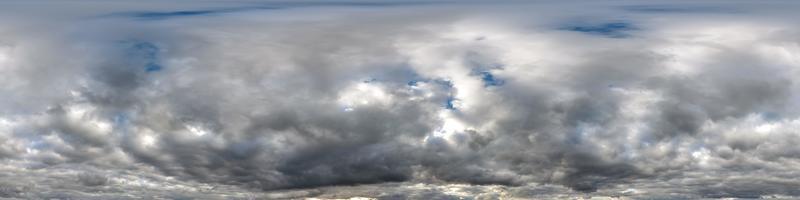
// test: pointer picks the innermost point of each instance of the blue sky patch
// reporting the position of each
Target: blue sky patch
(771, 116)
(144, 50)
(445, 83)
(120, 119)
(449, 103)
(152, 67)
(164, 15)
(490, 80)
(448, 85)
(610, 29)
(370, 80)
(487, 77)
(145, 53)
(677, 9)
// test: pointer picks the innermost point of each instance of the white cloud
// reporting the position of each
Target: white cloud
(220, 100)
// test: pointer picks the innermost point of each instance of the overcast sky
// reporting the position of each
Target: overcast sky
(399, 99)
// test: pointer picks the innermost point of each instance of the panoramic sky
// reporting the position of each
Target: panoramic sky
(399, 99)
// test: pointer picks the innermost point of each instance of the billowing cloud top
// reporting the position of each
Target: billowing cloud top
(399, 100)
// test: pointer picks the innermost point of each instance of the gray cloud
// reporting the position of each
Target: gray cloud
(478, 100)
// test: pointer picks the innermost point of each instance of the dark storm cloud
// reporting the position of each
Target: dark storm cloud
(378, 100)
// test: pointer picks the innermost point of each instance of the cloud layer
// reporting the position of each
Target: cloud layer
(398, 100)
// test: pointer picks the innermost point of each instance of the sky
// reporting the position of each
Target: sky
(399, 99)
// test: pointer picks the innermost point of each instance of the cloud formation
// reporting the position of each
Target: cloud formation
(402, 100)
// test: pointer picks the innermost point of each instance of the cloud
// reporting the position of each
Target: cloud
(401, 100)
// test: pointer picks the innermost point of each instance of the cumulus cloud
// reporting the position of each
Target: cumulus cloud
(398, 100)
